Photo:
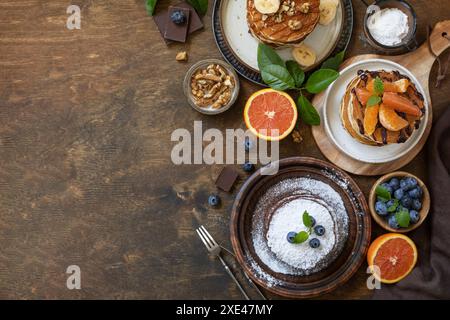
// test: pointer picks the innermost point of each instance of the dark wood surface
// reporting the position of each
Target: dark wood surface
(86, 176)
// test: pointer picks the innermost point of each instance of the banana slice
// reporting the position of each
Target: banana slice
(267, 6)
(328, 10)
(304, 55)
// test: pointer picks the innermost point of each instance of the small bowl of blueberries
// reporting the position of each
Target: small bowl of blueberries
(399, 202)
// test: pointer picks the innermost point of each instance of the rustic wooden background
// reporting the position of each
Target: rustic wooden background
(85, 170)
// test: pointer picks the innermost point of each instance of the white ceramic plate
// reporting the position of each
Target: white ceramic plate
(235, 29)
(342, 139)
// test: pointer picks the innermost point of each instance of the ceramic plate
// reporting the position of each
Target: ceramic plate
(239, 47)
(342, 139)
(262, 268)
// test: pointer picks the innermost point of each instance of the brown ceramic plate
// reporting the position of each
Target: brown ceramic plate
(341, 269)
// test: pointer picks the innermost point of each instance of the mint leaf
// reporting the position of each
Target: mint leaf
(277, 77)
(383, 193)
(393, 207)
(307, 221)
(296, 72)
(334, 62)
(373, 101)
(320, 80)
(201, 6)
(378, 86)
(403, 218)
(307, 111)
(302, 236)
(268, 56)
(150, 6)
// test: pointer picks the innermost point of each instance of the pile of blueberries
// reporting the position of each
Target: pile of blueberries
(405, 195)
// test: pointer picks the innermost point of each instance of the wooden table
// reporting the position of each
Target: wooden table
(86, 177)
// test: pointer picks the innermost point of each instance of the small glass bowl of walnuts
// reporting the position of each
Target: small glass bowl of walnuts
(211, 86)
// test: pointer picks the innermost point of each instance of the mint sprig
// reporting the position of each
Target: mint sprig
(289, 76)
(378, 86)
(382, 193)
(403, 218)
(302, 236)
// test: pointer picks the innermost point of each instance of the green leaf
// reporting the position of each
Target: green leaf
(383, 193)
(307, 111)
(300, 237)
(403, 218)
(268, 56)
(150, 6)
(296, 72)
(277, 77)
(378, 86)
(334, 62)
(320, 80)
(307, 221)
(394, 206)
(373, 101)
(201, 6)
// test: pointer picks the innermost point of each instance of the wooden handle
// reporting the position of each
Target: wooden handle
(439, 43)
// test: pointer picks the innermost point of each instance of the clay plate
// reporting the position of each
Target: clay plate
(345, 265)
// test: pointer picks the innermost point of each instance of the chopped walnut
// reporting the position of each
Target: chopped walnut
(181, 56)
(304, 8)
(264, 17)
(295, 24)
(296, 136)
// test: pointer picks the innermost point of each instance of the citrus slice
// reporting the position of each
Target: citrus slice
(394, 254)
(270, 114)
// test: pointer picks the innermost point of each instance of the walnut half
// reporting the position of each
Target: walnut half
(295, 24)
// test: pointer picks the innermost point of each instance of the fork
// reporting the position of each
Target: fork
(215, 250)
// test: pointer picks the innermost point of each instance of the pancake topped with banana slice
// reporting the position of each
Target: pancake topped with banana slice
(287, 22)
(381, 107)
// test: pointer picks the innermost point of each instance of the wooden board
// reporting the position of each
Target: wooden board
(419, 63)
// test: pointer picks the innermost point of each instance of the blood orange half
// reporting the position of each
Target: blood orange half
(270, 114)
(394, 254)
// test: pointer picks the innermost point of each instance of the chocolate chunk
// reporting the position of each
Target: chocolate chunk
(173, 31)
(195, 23)
(160, 19)
(226, 179)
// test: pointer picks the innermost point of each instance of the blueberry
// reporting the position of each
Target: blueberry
(398, 194)
(248, 144)
(214, 200)
(291, 236)
(394, 183)
(314, 243)
(414, 216)
(319, 230)
(387, 187)
(390, 203)
(415, 193)
(406, 201)
(416, 204)
(178, 17)
(408, 183)
(248, 167)
(381, 208)
(393, 222)
(313, 221)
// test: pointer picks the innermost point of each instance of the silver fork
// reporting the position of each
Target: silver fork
(215, 249)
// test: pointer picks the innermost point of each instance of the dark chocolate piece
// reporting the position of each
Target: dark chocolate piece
(195, 23)
(160, 19)
(173, 31)
(226, 179)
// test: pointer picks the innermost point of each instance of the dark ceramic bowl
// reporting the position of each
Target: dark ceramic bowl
(341, 269)
(409, 42)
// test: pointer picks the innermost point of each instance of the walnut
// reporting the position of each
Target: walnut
(295, 24)
(181, 56)
(304, 8)
(264, 17)
(296, 136)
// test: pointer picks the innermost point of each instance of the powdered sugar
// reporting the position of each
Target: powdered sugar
(326, 207)
(388, 26)
(289, 218)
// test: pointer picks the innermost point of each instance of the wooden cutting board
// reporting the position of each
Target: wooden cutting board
(419, 62)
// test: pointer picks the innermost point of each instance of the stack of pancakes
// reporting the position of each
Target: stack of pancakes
(286, 26)
(353, 111)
